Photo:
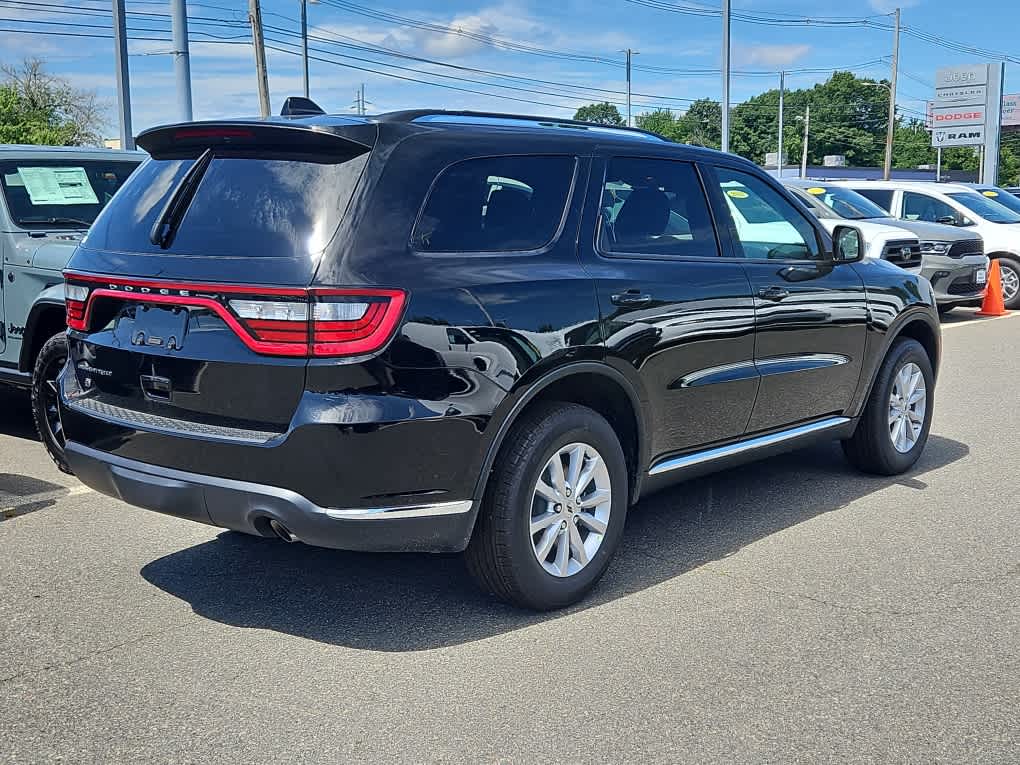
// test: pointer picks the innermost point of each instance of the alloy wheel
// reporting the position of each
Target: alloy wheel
(570, 509)
(1010, 282)
(907, 403)
(50, 397)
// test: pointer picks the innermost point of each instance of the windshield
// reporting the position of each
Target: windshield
(1001, 196)
(987, 208)
(61, 193)
(815, 207)
(846, 203)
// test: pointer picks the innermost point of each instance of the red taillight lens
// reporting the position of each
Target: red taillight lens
(276, 321)
(354, 322)
(75, 296)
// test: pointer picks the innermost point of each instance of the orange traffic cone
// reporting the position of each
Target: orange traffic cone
(992, 305)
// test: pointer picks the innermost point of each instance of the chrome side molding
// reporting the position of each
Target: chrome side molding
(759, 442)
(408, 511)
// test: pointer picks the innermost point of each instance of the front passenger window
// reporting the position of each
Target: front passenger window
(767, 225)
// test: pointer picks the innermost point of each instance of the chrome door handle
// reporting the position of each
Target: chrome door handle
(773, 293)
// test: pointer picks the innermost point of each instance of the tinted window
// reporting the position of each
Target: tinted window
(989, 209)
(766, 223)
(495, 204)
(881, 197)
(243, 206)
(1001, 196)
(655, 207)
(923, 207)
(846, 203)
(69, 193)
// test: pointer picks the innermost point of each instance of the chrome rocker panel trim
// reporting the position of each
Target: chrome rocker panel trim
(760, 442)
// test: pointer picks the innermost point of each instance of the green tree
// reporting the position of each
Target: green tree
(40, 108)
(701, 124)
(912, 145)
(661, 121)
(604, 113)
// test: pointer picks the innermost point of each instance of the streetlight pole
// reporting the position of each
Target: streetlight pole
(803, 156)
(891, 127)
(726, 76)
(779, 157)
(127, 139)
(630, 54)
(304, 42)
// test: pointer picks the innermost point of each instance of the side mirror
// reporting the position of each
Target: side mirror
(947, 220)
(847, 244)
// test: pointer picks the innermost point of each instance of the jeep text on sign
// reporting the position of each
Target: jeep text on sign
(961, 76)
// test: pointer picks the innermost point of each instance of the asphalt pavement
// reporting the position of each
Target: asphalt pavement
(790, 611)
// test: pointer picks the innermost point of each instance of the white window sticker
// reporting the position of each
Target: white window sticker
(58, 186)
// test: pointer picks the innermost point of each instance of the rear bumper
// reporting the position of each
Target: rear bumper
(249, 507)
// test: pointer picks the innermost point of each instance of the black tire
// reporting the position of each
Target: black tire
(51, 359)
(1006, 262)
(501, 556)
(871, 449)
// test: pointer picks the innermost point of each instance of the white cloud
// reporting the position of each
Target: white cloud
(771, 55)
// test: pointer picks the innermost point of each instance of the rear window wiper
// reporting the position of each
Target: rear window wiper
(165, 227)
(54, 219)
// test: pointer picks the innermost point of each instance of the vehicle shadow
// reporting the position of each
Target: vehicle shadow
(413, 602)
(16, 415)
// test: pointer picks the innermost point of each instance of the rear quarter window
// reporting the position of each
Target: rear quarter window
(495, 204)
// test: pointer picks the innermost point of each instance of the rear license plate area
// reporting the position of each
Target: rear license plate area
(156, 327)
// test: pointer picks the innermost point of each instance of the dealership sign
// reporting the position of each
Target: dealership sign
(968, 110)
(942, 138)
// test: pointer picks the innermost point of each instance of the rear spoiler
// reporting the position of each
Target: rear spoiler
(290, 136)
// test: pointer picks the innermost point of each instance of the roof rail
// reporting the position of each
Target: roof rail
(410, 115)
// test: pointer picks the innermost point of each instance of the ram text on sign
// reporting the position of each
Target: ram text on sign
(942, 138)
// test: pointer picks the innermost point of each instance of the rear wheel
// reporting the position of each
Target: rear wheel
(554, 509)
(45, 412)
(894, 427)
(1009, 270)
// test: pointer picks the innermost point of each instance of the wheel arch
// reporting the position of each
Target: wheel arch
(596, 385)
(46, 319)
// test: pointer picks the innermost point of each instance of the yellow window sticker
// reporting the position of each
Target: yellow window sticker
(816, 191)
(736, 193)
(990, 193)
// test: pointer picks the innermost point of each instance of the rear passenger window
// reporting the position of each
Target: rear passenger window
(495, 204)
(881, 197)
(655, 207)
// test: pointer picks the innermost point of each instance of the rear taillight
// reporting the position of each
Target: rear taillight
(274, 321)
(75, 296)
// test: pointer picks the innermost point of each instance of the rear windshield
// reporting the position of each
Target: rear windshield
(68, 193)
(244, 206)
(987, 208)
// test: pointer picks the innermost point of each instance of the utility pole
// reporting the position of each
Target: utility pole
(182, 59)
(255, 17)
(891, 127)
(127, 138)
(782, 89)
(304, 42)
(807, 127)
(726, 76)
(630, 54)
(364, 109)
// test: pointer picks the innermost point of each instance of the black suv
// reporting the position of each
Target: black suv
(441, 331)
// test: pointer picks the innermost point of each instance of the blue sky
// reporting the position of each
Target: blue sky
(224, 83)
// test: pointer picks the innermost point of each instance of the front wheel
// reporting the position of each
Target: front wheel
(554, 508)
(45, 412)
(894, 426)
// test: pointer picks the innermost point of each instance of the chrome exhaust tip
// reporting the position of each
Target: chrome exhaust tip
(281, 531)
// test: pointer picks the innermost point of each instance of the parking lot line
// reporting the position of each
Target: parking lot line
(978, 321)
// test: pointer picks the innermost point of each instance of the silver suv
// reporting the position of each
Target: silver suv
(49, 197)
(953, 260)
